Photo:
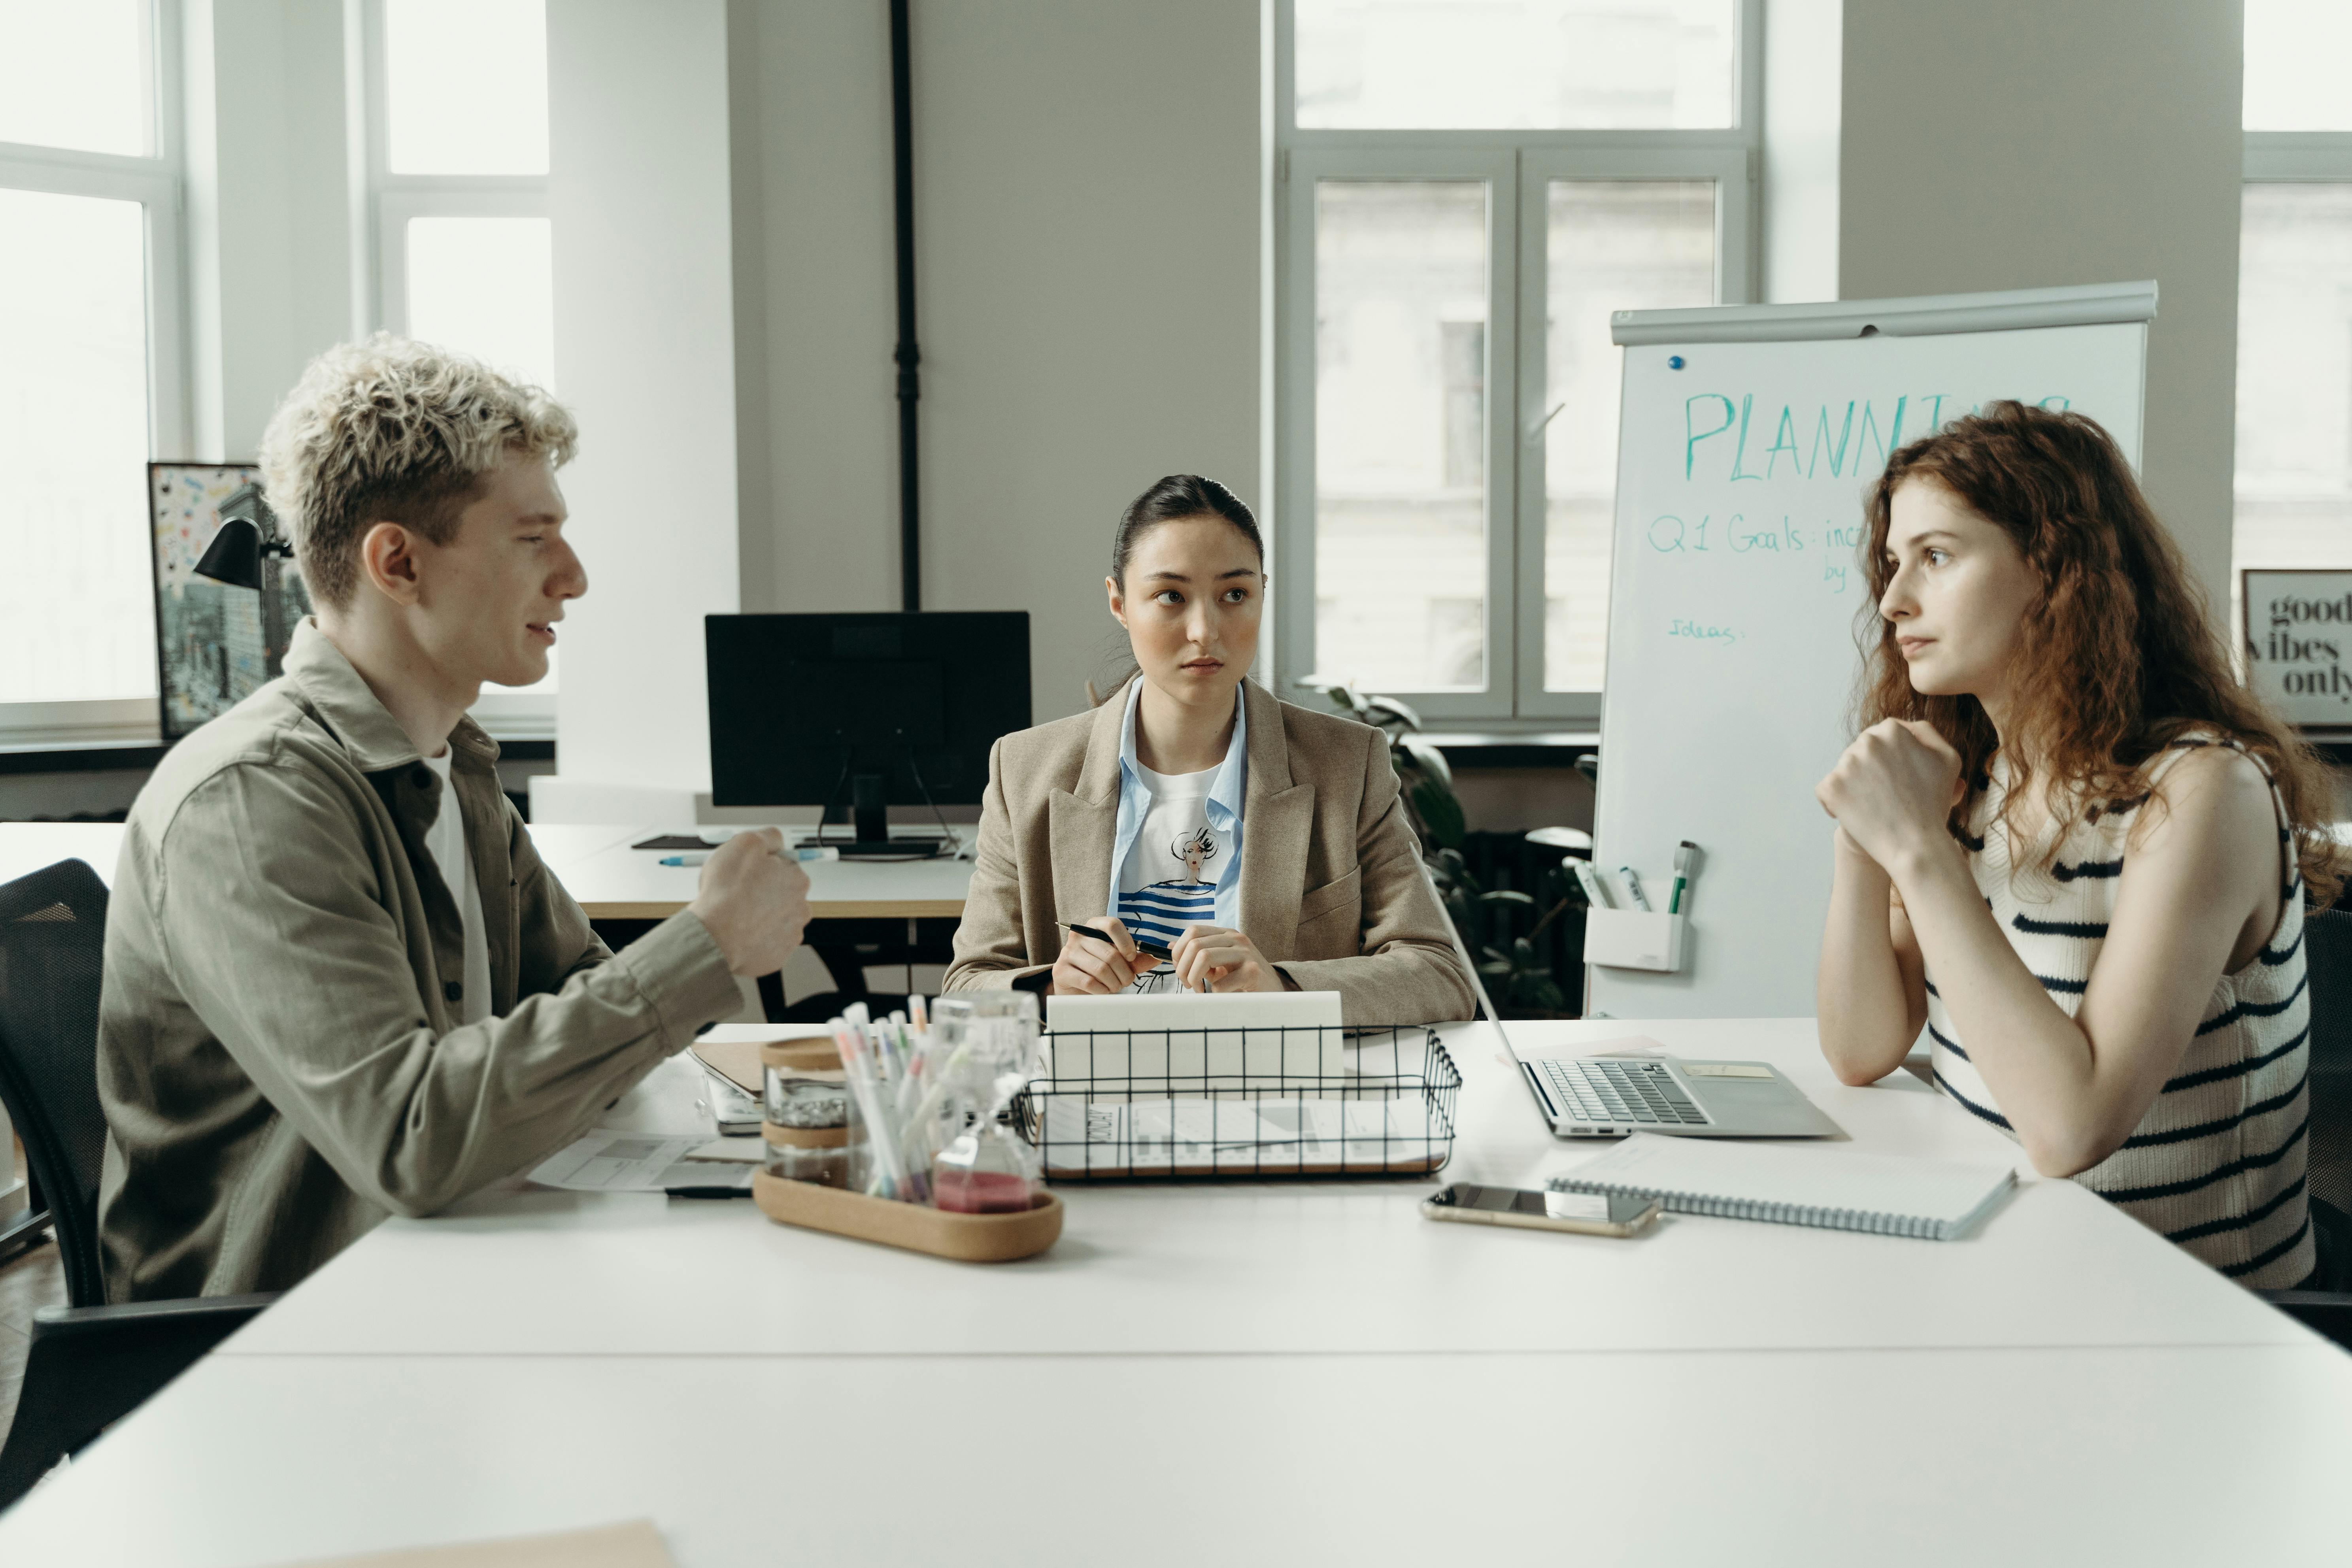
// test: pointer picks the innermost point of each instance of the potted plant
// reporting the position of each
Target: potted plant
(1518, 976)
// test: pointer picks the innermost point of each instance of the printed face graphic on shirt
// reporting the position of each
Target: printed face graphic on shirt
(1195, 850)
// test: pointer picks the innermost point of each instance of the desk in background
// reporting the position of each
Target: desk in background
(611, 880)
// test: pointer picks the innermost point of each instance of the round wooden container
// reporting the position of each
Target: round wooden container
(968, 1238)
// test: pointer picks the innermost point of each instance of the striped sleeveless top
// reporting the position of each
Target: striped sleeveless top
(2217, 1163)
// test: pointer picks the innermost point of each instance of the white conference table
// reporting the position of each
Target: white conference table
(1295, 1268)
(596, 864)
(1297, 1373)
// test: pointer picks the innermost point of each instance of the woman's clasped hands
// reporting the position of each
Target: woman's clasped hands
(1894, 790)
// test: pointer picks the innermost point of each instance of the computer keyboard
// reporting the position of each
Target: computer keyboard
(1599, 1090)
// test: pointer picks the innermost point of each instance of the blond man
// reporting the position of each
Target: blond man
(340, 982)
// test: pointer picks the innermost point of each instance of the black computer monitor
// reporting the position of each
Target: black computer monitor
(854, 713)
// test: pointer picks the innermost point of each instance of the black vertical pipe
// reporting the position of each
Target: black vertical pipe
(909, 356)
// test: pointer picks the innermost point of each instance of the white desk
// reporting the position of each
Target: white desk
(594, 862)
(1276, 1267)
(616, 883)
(1923, 1459)
(1301, 1373)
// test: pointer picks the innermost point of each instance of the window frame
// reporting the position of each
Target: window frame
(2275, 158)
(382, 244)
(157, 181)
(1519, 166)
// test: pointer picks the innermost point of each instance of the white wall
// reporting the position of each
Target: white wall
(269, 268)
(1088, 178)
(1803, 64)
(1089, 232)
(2018, 143)
(639, 191)
(816, 311)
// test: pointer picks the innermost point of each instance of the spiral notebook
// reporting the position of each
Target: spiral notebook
(1934, 1200)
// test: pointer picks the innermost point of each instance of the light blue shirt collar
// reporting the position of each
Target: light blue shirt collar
(1226, 793)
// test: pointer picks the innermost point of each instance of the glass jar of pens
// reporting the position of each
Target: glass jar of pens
(806, 1115)
(903, 1135)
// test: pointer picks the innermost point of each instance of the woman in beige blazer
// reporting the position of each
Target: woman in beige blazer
(1263, 844)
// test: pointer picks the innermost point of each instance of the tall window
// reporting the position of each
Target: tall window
(89, 362)
(1467, 193)
(2295, 291)
(457, 162)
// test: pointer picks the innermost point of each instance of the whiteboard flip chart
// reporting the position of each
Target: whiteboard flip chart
(1737, 586)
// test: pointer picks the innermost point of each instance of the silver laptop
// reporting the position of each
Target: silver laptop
(1608, 1097)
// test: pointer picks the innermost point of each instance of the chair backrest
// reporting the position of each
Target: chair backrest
(52, 941)
(2327, 948)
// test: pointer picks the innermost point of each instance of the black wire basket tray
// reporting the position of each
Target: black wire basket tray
(1253, 1104)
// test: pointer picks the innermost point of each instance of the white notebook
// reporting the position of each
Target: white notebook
(1225, 1043)
(1934, 1200)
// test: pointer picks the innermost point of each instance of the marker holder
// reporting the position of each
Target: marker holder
(1635, 939)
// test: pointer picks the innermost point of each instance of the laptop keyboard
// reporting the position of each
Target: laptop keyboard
(1598, 1090)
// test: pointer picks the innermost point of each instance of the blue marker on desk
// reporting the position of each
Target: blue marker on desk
(806, 852)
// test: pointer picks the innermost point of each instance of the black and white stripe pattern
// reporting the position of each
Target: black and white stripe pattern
(2217, 1164)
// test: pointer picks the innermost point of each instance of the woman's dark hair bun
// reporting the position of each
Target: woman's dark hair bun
(1176, 497)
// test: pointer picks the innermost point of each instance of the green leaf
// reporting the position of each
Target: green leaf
(1506, 896)
(1440, 813)
(1401, 712)
(1428, 758)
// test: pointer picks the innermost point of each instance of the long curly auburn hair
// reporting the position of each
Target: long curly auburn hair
(2119, 656)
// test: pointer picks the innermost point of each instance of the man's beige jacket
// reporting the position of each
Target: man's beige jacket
(1332, 889)
(278, 1053)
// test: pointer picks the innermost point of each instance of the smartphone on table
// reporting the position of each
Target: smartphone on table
(1591, 1213)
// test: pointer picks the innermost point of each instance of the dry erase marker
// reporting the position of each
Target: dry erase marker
(1596, 891)
(1632, 881)
(1685, 853)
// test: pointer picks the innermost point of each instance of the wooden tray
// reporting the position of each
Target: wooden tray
(967, 1237)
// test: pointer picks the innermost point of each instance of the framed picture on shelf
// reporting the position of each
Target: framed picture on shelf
(213, 642)
(2298, 625)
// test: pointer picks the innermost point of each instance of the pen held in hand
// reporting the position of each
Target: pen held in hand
(1148, 948)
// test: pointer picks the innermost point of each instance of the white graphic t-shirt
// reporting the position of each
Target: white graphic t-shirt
(1174, 870)
(446, 842)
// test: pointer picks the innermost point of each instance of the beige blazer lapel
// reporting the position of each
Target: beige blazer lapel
(1277, 820)
(1082, 825)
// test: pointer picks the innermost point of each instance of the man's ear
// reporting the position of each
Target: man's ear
(388, 561)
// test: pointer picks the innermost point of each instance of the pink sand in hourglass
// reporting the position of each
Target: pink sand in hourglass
(980, 1192)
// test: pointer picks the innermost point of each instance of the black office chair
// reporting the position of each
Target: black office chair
(2326, 1308)
(90, 1364)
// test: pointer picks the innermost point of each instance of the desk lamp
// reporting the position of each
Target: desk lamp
(248, 553)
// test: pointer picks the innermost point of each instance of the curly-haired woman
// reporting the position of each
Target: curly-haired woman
(2072, 845)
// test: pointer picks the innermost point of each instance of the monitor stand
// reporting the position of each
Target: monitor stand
(872, 827)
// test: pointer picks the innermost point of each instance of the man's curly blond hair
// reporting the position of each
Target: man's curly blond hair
(391, 430)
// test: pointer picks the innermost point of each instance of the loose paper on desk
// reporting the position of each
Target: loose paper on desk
(636, 1544)
(1227, 1137)
(611, 1161)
